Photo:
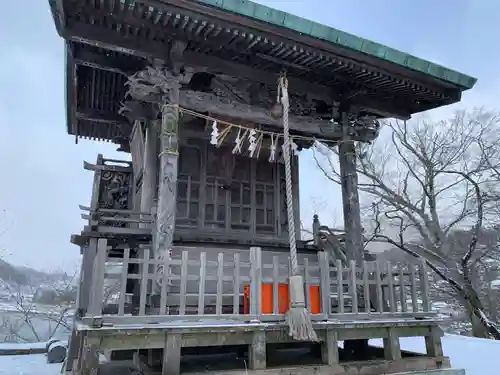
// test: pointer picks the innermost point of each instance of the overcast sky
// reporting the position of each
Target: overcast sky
(42, 179)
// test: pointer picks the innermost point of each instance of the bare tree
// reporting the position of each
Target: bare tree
(37, 313)
(425, 180)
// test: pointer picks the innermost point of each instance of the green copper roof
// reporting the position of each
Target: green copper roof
(339, 38)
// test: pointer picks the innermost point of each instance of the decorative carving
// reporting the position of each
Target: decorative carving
(154, 85)
(114, 193)
(240, 98)
(136, 110)
(243, 91)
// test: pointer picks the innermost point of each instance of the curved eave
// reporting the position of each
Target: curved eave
(252, 36)
(336, 39)
(272, 22)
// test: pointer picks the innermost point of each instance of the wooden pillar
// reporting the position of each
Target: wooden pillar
(97, 287)
(433, 342)
(168, 165)
(392, 348)
(90, 360)
(85, 292)
(169, 154)
(149, 186)
(73, 346)
(350, 194)
(150, 167)
(330, 349)
(172, 354)
(257, 351)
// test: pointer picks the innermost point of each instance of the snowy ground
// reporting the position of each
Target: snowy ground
(33, 364)
(476, 356)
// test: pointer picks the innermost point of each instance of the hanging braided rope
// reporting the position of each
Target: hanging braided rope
(298, 318)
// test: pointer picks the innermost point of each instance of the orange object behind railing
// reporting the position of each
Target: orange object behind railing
(283, 299)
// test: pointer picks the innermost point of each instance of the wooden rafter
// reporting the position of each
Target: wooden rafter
(108, 39)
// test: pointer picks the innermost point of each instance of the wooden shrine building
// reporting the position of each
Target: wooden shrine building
(186, 246)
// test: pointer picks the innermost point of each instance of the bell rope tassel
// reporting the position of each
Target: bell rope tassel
(298, 317)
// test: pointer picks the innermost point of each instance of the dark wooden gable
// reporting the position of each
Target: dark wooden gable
(226, 196)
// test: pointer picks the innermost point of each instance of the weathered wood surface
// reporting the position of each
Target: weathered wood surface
(167, 189)
(257, 336)
(350, 194)
(226, 196)
(306, 125)
(229, 253)
(150, 168)
(214, 279)
(137, 149)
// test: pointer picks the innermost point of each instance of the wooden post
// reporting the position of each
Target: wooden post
(167, 190)
(325, 283)
(89, 252)
(150, 168)
(90, 360)
(97, 290)
(257, 351)
(255, 283)
(83, 298)
(172, 354)
(433, 342)
(85, 288)
(330, 348)
(350, 195)
(392, 348)
(315, 230)
(424, 285)
(149, 178)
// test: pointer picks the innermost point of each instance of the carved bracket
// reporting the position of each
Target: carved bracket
(238, 98)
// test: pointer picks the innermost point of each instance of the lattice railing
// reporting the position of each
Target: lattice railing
(215, 286)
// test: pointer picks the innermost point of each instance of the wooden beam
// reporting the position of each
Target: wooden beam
(299, 125)
(112, 40)
(100, 116)
(71, 91)
(110, 63)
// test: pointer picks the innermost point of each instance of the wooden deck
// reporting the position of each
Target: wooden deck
(259, 340)
(194, 299)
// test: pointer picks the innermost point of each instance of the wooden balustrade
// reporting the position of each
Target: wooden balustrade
(227, 288)
(116, 216)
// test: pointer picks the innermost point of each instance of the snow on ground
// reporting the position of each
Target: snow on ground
(23, 345)
(476, 356)
(33, 364)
